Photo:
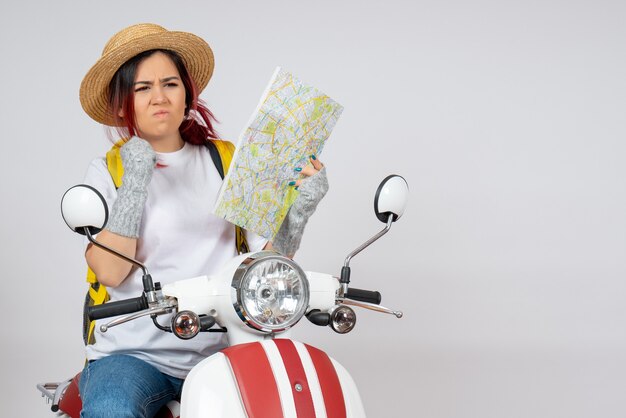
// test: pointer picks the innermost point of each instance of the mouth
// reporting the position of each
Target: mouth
(161, 114)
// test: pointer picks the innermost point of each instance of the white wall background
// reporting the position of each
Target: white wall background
(507, 120)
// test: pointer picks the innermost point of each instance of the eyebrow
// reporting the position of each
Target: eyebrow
(163, 80)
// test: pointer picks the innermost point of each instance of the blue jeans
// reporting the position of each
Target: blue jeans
(124, 386)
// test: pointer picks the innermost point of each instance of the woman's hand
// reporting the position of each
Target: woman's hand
(310, 170)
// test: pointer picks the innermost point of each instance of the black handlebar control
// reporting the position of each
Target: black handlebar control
(120, 307)
(369, 296)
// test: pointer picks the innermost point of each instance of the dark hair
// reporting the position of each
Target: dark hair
(197, 127)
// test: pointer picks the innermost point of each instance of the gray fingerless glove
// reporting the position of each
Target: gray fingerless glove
(312, 190)
(138, 159)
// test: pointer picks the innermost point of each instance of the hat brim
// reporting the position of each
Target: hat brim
(194, 51)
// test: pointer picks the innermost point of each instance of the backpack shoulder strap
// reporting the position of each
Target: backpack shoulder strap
(97, 294)
(114, 162)
(222, 154)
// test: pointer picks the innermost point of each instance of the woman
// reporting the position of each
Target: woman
(146, 84)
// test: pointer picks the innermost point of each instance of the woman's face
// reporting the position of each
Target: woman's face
(159, 102)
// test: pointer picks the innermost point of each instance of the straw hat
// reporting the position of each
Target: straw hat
(131, 41)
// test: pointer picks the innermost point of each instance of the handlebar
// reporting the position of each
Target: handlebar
(369, 296)
(120, 307)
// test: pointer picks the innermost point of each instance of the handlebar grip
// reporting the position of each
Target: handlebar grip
(370, 296)
(116, 308)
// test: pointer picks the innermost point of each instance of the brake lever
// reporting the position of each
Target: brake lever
(371, 306)
(166, 306)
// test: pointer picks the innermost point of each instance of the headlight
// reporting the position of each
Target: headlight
(270, 292)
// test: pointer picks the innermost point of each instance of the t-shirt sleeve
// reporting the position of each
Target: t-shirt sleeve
(99, 178)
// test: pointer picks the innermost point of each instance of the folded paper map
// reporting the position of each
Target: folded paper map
(292, 122)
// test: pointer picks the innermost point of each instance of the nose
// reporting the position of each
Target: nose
(158, 95)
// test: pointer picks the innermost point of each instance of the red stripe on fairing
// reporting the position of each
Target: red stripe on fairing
(329, 382)
(255, 380)
(295, 371)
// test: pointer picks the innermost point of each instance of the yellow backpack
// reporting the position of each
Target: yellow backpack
(221, 153)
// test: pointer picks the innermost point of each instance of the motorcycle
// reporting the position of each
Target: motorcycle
(257, 299)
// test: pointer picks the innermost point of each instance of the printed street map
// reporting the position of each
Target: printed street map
(292, 121)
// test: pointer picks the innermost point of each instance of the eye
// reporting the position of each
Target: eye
(171, 84)
(143, 88)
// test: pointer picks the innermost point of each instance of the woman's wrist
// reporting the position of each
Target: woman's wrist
(312, 190)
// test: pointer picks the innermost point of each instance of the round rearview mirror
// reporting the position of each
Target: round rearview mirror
(391, 198)
(82, 207)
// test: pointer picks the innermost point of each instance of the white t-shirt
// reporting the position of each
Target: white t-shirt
(180, 238)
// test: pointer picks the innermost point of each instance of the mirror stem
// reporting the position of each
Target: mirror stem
(370, 241)
(112, 251)
(345, 271)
